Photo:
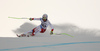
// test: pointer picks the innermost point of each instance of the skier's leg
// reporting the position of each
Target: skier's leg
(33, 32)
(42, 30)
(26, 34)
(36, 30)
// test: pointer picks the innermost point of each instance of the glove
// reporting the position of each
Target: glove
(51, 32)
(30, 19)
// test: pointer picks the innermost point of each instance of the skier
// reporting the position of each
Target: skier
(41, 28)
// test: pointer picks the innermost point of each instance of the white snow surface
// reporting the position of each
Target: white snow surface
(48, 42)
(83, 40)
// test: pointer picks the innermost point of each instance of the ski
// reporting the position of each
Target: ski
(22, 35)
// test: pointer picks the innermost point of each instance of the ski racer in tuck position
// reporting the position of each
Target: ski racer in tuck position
(41, 28)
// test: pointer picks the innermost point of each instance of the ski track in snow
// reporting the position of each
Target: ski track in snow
(52, 45)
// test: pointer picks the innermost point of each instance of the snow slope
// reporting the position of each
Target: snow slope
(51, 43)
(83, 40)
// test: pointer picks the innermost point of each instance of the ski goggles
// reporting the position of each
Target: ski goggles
(44, 18)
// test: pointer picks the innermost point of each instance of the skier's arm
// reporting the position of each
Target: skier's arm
(52, 28)
(34, 19)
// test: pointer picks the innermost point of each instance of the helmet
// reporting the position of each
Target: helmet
(45, 16)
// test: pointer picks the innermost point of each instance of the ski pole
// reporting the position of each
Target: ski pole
(67, 34)
(63, 34)
(17, 18)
